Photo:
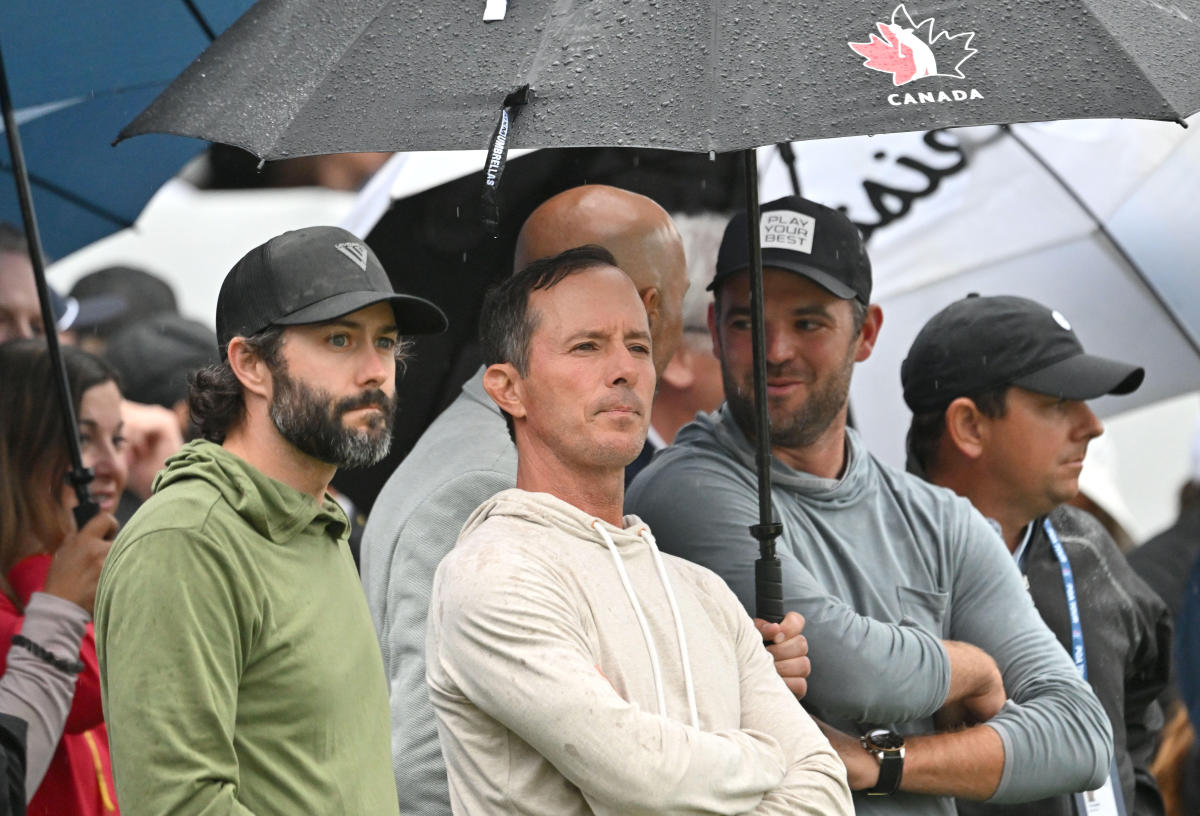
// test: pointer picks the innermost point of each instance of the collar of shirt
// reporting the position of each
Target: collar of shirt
(1021, 552)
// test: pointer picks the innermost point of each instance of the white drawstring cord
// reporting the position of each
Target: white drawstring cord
(598, 526)
(683, 650)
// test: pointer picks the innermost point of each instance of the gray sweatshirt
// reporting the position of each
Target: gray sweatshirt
(34, 690)
(575, 670)
(464, 458)
(884, 566)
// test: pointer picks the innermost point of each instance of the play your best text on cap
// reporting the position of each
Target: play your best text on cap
(804, 237)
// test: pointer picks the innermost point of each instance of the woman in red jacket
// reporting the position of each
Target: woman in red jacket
(35, 521)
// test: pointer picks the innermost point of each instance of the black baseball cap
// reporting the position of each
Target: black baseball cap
(155, 355)
(979, 343)
(312, 275)
(804, 237)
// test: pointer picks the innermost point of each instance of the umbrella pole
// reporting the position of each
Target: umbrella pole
(768, 572)
(788, 154)
(79, 476)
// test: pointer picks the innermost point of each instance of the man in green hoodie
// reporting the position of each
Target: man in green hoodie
(239, 667)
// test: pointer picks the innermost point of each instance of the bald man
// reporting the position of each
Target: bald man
(466, 456)
(639, 234)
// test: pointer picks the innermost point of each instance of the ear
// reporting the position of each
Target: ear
(652, 300)
(503, 385)
(966, 427)
(250, 369)
(712, 330)
(678, 373)
(869, 333)
(183, 415)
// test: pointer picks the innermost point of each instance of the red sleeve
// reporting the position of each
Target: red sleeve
(27, 577)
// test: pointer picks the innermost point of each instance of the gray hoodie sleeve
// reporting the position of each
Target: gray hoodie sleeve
(867, 670)
(34, 690)
(1056, 735)
(398, 591)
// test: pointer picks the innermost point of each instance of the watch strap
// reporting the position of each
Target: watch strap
(891, 768)
(888, 748)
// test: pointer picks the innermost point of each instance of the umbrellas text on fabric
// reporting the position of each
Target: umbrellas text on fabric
(79, 70)
(292, 79)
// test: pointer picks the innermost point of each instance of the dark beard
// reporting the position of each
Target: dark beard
(801, 429)
(311, 420)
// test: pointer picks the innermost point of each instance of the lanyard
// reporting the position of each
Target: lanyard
(1106, 799)
(1077, 651)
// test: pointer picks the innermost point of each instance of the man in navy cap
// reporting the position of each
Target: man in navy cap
(20, 312)
(998, 387)
(917, 621)
(239, 667)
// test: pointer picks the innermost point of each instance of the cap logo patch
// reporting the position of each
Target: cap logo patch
(355, 252)
(787, 229)
(1060, 320)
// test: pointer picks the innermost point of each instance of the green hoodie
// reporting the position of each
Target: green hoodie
(238, 664)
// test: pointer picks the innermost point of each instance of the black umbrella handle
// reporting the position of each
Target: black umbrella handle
(87, 508)
(79, 475)
(85, 512)
(768, 589)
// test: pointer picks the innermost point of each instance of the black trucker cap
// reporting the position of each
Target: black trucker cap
(804, 237)
(312, 275)
(979, 343)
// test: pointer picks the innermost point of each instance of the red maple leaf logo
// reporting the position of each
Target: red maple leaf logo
(912, 50)
(888, 54)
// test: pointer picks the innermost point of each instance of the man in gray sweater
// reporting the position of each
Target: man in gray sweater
(933, 672)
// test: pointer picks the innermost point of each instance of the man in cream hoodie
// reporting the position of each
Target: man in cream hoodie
(573, 668)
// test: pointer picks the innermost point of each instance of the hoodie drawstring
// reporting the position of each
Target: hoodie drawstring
(679, 633)
(655, 666)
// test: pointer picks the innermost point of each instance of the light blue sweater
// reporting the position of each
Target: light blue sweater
(884, 567)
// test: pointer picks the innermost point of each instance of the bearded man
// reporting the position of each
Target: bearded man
(935, 674)
(238, 663)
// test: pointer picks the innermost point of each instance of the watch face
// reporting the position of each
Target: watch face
(885, 740)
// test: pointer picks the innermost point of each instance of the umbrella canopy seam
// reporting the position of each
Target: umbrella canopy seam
(306, 97)
(1136, 60)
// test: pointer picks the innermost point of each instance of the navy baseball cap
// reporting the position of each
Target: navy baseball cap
(979, 343)
(312, 275)
(804, 237)
(72, 313)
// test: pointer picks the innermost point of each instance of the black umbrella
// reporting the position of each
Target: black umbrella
(291, 79)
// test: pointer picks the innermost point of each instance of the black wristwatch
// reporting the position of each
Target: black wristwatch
(888, 747)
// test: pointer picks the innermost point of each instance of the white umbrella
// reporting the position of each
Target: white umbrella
(974, 211)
